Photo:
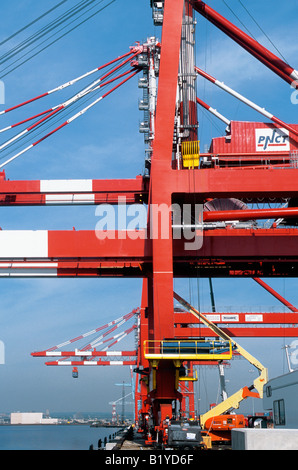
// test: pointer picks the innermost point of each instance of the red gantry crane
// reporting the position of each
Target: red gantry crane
(199, 219)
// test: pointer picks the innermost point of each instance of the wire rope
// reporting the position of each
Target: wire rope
(261, 29)
(31, 23)
(68, 121)
(54, 41)
(84, 95)
(237, 17)
(34, 37)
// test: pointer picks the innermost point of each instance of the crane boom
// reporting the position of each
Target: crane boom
(121, 399)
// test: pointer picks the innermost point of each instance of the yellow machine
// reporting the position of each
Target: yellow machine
(190, 154)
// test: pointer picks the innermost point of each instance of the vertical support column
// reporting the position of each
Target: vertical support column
(142, 379)
(161, 323)
(161, 193)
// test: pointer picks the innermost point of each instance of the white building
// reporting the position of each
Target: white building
(31, 418)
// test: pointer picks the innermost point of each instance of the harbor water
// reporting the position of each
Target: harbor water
(52, 437)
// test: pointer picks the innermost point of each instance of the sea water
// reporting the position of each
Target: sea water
(52, 437)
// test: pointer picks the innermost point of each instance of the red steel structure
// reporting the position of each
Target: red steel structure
(223, 176)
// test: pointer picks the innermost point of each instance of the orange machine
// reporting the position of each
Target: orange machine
(219, 427)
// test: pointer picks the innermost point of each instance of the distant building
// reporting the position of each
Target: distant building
(31, 418)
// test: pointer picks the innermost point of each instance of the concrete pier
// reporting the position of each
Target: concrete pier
(264, 439)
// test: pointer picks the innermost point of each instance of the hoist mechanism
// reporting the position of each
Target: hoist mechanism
(148, 61)
(167, 356)
(186, 147)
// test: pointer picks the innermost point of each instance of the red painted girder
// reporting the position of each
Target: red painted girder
(277, 65)
(243, 318)
(221, 243)
(143, 269)
(70, 198)
(106, 185)
(138, 184)
(249, 214)
(225, 182)
(118, 245)
(234, 252)
(276, 294)
(245, 332)
(87, 353)
(248, 244)
(91, 363)
(161, 321)
(40, 192)
(74, 246)
(235, 182)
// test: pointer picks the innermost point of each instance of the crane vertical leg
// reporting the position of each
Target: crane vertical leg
(162, 321)
(141, 409)
(161, 193)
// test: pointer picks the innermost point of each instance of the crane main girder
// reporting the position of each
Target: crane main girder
(224, 251)
(74, 192)
(270, 184)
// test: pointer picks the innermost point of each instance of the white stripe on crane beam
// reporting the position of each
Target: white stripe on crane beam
(116, 363)
(23, 244)
(65, 186)
(69, 199)
(88, 363)
(28, 272)
(25, 265)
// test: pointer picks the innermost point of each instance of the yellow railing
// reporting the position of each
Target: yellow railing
(189, 378)
(188, 350)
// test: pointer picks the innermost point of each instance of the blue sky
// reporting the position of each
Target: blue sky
(105, 143)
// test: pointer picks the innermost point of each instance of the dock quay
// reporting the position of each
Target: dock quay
(242, 439)
(126, 439)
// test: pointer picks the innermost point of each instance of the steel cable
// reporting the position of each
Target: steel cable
(111, 73)
(62, 114)
(56, 40)
(34, 37)
(31, 23)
